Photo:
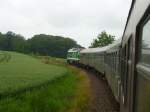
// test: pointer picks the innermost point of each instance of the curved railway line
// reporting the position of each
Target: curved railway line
(125, 63)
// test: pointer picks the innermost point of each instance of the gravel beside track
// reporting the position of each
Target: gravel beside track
(102, 99)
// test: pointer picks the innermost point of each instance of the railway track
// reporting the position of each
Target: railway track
(102, 99)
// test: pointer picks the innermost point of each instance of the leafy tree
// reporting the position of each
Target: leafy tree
(18, 43)
(2, 42)
(103, 39)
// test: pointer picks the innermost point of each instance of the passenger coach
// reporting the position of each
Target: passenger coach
(126, 64)
(93, 57)
(112, 68)
(135, 59)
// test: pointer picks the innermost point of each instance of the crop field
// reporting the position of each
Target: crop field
(57, 96)
(19, 72)
(56, 86)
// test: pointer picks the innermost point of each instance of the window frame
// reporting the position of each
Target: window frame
(141, 27)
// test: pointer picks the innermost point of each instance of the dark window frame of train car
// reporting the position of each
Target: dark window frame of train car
(138, 45)
(126, 68)
(139, 35)
(124, 73)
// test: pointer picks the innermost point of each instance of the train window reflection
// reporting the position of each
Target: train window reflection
(145, 57)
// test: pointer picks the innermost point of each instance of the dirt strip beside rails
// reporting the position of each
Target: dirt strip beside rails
(102, 99)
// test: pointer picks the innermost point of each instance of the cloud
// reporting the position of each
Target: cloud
(81, 20)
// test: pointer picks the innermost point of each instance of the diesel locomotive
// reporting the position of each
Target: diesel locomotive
(125, 63)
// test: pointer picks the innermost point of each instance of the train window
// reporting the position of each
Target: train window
(116, 61)
(130, 48)
(112, 60)
(142, 90)
(145, 51)
(124, 75)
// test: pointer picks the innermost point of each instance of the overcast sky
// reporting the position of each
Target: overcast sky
(81, 20)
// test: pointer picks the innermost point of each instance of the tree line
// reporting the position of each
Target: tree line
(41, 44)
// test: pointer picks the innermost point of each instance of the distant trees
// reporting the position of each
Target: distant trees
(103, 39)
(39, 44)
(12, 42)
(50, 45)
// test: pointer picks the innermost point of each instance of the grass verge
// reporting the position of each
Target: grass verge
(83, 92)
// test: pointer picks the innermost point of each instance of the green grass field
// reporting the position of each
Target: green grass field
(56, 86)
(19, 72)
(58, 96)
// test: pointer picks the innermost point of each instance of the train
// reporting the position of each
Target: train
(126, 62)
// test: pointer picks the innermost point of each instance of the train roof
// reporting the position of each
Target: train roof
(94, 50)
(101, 49)
(115, 45)
(137, 14)
(74, 50)
(129, 15)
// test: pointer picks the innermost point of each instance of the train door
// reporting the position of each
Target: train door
(142, 79)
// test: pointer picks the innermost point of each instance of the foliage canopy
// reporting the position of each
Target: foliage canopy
(41, 44)
(103, 39)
